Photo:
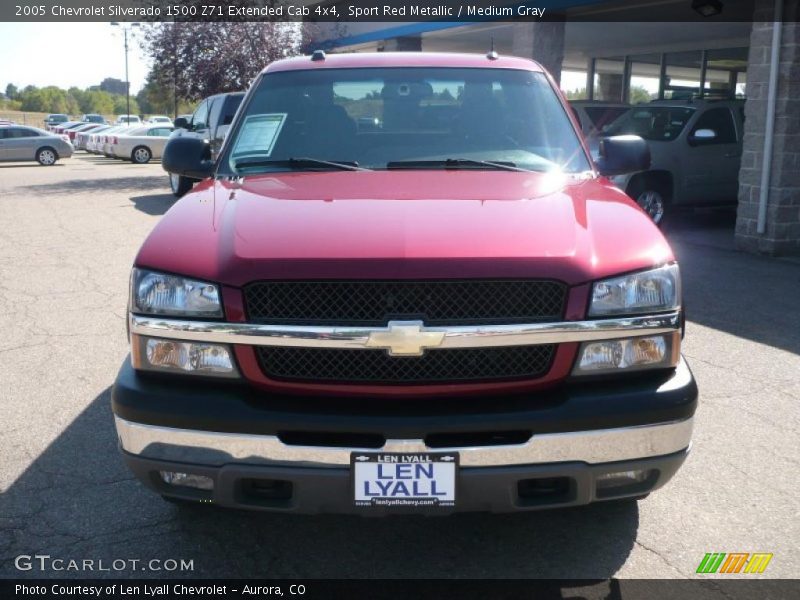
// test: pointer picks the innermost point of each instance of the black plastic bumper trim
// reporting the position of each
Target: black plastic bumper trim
(238, 408)
(326, 490)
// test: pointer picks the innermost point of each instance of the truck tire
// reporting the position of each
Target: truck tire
(179, 184)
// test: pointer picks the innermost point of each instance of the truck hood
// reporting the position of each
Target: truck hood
(404, 224)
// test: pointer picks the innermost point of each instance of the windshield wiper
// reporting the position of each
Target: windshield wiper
(297, 163)
(454, 163)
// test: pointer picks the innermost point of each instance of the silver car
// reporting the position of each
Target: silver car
(19, 142)
(696, 149)
(140, 145)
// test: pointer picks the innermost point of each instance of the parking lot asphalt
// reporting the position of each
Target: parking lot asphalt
(68, 236)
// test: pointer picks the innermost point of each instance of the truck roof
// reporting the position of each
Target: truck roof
(696, 102)
(402, 59)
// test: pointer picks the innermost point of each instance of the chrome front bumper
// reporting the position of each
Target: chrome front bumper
(217, 449)
(404, 333)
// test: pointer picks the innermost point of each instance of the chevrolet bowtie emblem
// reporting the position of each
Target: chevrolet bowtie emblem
(405, 338)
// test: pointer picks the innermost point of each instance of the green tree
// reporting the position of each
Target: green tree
(639, 95)
(198, 59)
(36, 100)
(79, 96)
(121, 105)
(71, 105)
(7, 104)
(56, 99)
(577, 94)
(99, 102)
(12, 92)
(144, 103)
(74, 101)
(155, 98)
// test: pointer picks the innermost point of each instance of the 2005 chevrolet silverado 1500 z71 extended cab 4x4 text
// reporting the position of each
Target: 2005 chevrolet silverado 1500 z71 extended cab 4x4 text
(404, 286)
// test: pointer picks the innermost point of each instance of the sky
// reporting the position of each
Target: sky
(84, 55)
(90, 52)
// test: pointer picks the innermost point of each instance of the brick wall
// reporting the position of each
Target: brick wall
(782, 235)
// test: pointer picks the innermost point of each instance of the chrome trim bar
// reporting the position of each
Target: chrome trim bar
(216, 448)
(470, 336)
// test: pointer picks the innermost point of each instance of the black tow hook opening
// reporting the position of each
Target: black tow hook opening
(274, 493)
(546, 490)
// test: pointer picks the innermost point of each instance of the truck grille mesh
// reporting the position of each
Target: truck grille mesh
(373, 303)
(450, 365)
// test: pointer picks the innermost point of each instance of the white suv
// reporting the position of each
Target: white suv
(696, 150)
(128, 120)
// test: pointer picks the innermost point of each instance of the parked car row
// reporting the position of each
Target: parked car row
(57, 123)
(138, 144)
(56, 120)
(87, 140)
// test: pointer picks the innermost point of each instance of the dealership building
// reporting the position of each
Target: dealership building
(742, 48)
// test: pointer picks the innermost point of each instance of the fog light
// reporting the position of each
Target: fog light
(622, 478)
(182, 357)
(200, 482)
(627, 354)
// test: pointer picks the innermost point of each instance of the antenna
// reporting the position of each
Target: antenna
(492, 55)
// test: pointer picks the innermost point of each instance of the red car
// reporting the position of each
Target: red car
(404, 286)
(80, 129)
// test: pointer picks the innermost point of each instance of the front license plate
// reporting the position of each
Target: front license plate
(423, 479)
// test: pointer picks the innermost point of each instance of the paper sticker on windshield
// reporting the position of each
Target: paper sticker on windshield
(258, 134)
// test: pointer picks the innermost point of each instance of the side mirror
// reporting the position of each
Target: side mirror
(188, 156)
(181, 123)
(622, 154)
(702, 136)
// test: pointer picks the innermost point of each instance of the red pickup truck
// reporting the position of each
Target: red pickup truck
(403, 285)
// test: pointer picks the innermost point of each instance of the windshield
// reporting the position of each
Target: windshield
(379, 118)
(655, 123)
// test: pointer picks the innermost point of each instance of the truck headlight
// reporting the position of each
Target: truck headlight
(628, 354)
(154, 293)
(176, 356)
(647, 291)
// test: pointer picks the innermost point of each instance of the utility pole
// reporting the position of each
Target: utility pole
(127, 79)
(175, 70)
(125, 30)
